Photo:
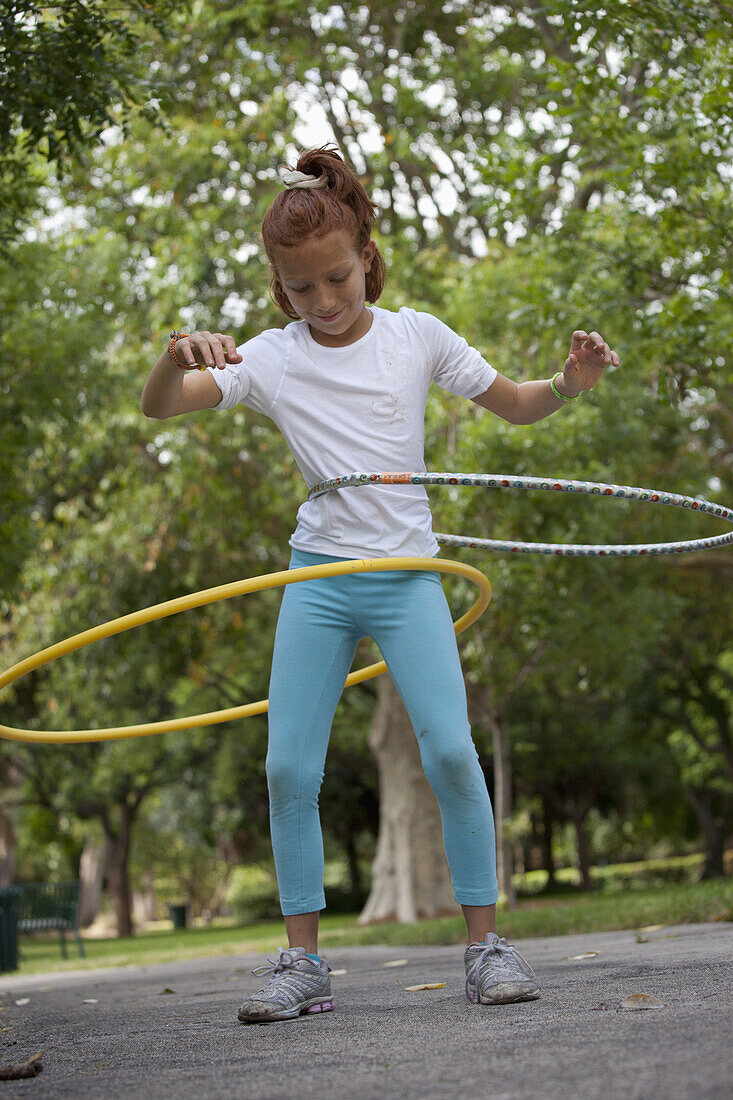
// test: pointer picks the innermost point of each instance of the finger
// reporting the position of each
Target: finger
(202, 350)
(577, 341)
(217, 350)
(184, 351)
(596, 343)
(230, 347)
(615, 359)
(602, 352)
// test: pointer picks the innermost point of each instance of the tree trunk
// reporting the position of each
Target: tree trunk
(714, 865)
(410, 876)
(356, 884)
(584, 855)
(92, 866)
(118, 854)
(215, 903)
(713, 827)
(7, 850)
(145, 901)
(503, 810)
(547, 829)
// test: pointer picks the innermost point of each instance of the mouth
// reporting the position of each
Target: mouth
(328, 317)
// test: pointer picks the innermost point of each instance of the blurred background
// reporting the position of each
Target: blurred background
(539, 167)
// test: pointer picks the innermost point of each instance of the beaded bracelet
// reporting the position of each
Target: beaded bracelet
(175, 337)
(555, 390)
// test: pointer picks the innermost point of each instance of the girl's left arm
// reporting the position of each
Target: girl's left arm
(527, 402)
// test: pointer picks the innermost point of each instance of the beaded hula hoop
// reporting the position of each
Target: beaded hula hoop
(592, 488)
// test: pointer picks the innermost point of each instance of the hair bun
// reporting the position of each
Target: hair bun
(327, 161)
(302, 179)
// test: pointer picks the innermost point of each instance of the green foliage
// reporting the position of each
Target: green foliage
(57, 303)
(68, 70)
(538, 169)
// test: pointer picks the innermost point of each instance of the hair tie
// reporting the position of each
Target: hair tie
(302, 179)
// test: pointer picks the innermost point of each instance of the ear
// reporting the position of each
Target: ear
(368, 253)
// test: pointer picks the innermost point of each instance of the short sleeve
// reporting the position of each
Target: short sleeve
(256, 379)
(456, 366)
(233, 381)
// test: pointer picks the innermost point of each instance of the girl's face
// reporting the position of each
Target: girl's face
(325, 281)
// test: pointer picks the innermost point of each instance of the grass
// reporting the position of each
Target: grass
(681, 903)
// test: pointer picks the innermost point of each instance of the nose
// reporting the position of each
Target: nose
(325, 301)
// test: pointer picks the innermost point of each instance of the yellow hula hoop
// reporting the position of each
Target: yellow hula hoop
(213, 595)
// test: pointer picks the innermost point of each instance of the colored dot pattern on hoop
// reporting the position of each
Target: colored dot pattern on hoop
(592, 488)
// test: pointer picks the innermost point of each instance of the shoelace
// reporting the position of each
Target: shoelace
(295, 982)
(509, 961)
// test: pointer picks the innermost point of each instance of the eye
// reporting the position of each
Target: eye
(340, 279)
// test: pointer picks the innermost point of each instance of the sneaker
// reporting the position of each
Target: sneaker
(496, 974)
(298, 986)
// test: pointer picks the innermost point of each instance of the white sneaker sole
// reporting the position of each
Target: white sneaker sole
(265, 1016)
(505, 993)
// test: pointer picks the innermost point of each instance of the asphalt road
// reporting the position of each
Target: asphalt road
(171, 1030)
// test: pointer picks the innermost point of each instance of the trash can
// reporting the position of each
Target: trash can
(177, 914)
(8, 930)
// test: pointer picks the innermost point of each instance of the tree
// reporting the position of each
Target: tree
(694, 686)
(476, 127)
(68, 70)
(410, 875)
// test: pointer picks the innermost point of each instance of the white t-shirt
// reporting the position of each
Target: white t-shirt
(357, 408)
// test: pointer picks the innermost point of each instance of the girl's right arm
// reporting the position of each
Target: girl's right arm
(170, 391)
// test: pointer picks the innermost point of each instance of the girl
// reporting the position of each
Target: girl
(347, 386)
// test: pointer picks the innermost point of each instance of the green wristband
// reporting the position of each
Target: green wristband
(555, 390)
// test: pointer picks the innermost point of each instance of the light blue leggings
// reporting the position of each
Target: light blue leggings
(320, 624)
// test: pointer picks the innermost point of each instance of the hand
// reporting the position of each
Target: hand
(207, 349)
(589, 356)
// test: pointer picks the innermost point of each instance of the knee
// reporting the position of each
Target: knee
(451, 758)
(290, 778)
(280, 774)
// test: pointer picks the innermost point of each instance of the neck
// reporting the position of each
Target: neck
(355, 332)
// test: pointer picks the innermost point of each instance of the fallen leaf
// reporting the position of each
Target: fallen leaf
(166, 990)
(638, 1002)
(651, 928)
(337, 973)
(15, 1072)
(585, 955)
(90, 1001)
(23, 1001)
(397, 962)
(425, 985)
(3, 1029)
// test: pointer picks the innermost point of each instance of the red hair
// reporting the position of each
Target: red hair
(300, 213)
